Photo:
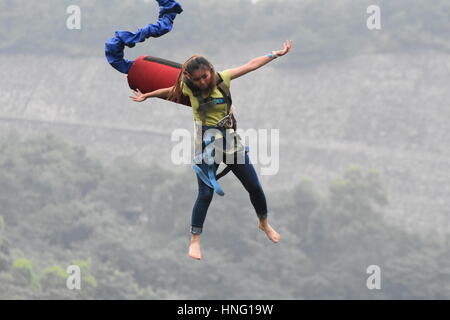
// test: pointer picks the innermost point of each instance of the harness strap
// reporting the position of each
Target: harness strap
(210, 177)
(228, 168)
(208, 102)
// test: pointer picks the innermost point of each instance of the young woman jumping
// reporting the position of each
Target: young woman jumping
(209, 96)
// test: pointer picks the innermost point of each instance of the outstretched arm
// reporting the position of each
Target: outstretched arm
(160, 93)
(260, 61)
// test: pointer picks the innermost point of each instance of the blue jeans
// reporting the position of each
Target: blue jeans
(246, 173)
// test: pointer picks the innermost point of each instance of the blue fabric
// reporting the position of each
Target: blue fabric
(114, 47)
(207, 172)
(219, 100)
(208, 157)
(202, 173)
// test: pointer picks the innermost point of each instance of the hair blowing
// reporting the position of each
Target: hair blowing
(194, 63)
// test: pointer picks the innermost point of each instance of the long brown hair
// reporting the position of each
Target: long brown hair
(191, 65)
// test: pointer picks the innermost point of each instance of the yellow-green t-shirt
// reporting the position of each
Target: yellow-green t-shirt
(216, 113)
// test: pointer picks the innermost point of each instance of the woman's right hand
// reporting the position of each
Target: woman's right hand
(139, 96)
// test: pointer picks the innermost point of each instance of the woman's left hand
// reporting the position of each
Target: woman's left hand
(287, 47)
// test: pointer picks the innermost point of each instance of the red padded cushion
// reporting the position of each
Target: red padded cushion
(150, 73)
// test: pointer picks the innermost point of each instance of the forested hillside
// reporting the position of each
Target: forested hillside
(126, 226)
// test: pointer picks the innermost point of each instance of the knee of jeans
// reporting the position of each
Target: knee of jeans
(255, 189)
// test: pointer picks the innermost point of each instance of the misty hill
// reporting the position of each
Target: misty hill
(385, 112)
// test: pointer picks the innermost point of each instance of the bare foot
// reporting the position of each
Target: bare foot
(270, 232)
(194, 248)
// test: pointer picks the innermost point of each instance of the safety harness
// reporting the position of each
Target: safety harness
(213, 137)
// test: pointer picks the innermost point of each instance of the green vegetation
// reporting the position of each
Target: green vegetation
(126, 227)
